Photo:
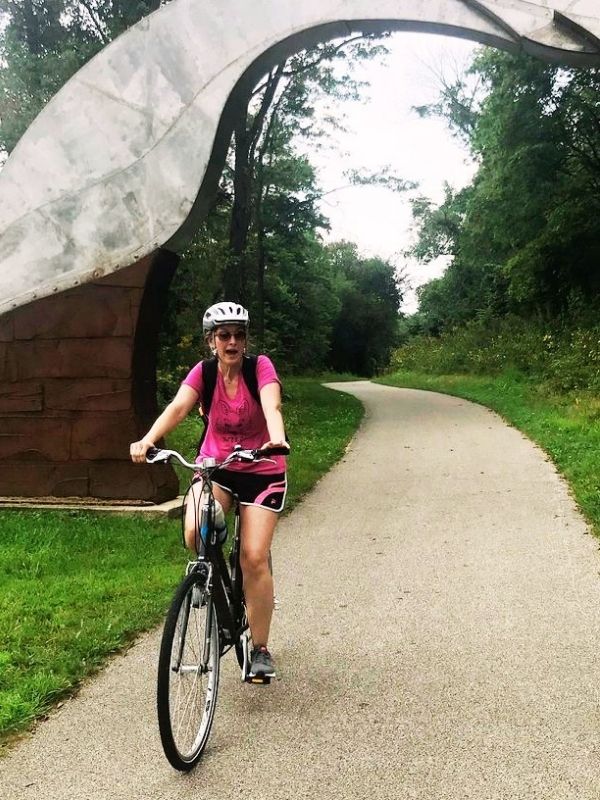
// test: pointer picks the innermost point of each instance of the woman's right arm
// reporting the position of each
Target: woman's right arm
(177, 410)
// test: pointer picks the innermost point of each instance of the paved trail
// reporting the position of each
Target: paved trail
(438, 638)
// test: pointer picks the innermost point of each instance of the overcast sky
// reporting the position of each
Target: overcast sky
(385, 130)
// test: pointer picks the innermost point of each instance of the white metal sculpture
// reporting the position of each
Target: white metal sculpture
(126, 157)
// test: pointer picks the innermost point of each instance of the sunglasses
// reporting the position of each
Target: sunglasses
(239, 336)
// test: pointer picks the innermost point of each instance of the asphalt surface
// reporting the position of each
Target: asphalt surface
(438, 637)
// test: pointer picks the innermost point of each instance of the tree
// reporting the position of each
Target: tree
(525, 236)
(281, 114)
(365, 330)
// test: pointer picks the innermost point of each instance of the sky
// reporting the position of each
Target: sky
(385, 130)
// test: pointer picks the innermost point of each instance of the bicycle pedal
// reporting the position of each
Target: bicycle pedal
(259, 680)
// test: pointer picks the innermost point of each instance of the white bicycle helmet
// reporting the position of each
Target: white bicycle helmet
(224, 314)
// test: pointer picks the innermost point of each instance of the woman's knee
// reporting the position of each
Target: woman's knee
(254, 561)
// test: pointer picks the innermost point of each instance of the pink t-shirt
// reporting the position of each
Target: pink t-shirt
(239, 420)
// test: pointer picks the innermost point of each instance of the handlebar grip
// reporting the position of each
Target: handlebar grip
(274, 451)
(154, 455)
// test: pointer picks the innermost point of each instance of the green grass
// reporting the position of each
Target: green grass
(78, 586)
(566, 426)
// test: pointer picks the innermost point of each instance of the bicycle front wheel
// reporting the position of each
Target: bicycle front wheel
(188, 673)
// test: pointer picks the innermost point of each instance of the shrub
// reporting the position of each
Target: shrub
(565, 357)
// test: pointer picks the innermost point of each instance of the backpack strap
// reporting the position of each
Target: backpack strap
(249, 366)
(209, 381)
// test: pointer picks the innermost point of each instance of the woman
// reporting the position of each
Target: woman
(236, 418)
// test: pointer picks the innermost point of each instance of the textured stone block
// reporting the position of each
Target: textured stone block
(4, 364)
(34, 438)
(69, 358)
(43, 480)
(102, 437)
(7, 327)
(17, 398)
(120, 480)
(69, 480)
(89, 394)
(24, 479)
(88, 313)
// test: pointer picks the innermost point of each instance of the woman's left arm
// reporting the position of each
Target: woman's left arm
(270, 400)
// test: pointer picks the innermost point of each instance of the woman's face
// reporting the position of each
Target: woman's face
(230, 343)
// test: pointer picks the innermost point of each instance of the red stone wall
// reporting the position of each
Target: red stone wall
(77, 385)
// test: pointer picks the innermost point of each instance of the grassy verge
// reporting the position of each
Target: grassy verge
(78, 586)
(566, 425)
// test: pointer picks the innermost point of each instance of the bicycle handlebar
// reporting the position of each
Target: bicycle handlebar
(158, 456)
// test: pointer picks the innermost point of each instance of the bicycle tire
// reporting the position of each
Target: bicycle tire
(188, 673)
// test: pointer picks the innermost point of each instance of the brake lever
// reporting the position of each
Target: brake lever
(245, 457)
(156, 456)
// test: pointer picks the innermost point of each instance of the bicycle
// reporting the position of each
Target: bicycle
(206, 619)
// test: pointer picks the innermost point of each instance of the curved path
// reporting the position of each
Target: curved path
(438, 638)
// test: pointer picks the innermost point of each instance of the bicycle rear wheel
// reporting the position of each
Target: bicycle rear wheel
(188, 673)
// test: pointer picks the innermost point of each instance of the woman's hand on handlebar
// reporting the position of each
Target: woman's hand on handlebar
(284, 446)
(138, 450)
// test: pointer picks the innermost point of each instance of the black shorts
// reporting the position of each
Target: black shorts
(252, 488)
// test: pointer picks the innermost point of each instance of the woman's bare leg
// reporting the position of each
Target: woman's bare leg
(258, 526)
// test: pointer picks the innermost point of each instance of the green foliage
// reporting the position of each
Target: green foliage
(562, 358)
(194, 286)
(524, 238)
(366, 327)
(262, 242)
(520, 296)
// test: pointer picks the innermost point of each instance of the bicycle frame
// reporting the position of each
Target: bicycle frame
(226, 588)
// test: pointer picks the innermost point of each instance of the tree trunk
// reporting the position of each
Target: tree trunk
(234, 278)
(259, 315)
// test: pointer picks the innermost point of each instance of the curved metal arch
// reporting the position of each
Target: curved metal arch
(126, 157)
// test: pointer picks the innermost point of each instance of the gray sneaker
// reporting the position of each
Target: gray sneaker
(261, 663)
